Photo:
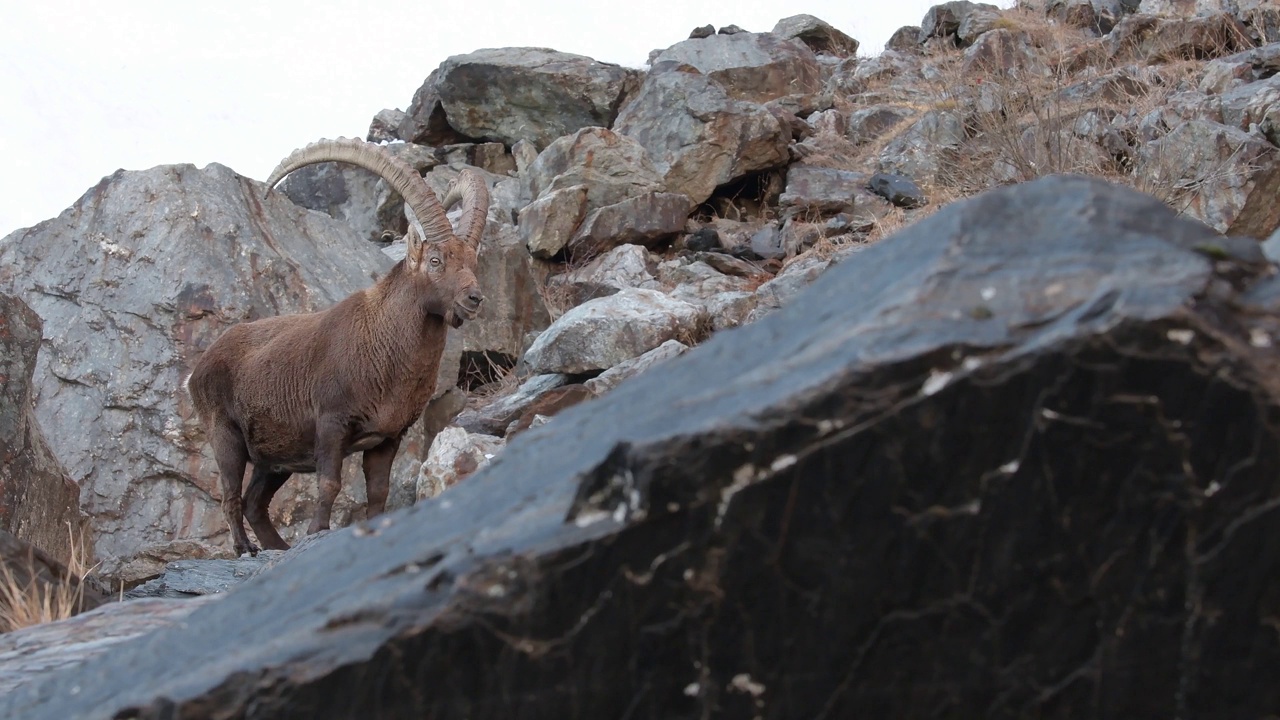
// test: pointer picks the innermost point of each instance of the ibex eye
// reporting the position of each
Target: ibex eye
(435, 261)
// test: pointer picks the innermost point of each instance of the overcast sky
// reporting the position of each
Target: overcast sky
(86, 88)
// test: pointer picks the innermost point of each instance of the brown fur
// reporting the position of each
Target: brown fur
(298, 393)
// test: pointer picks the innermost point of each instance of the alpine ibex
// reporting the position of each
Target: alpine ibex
(298, 393)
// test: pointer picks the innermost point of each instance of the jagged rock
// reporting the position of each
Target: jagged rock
(1099, 511)
(547, 224)
(603, 332)
(1100, 16)
(962, 19)
(730, 309)
(1221, 74)
(39, 504)
(697, 282)
(905, 39)
(755, 67)
(622, 267)
(493, 418)
(870, 124)
(512, 305)
(548, 406)
(899, 190)
(819, 35)
(799, 236)
(611, 378)
(454, 456)
(385, 126)
(704, 31)
(644, 219)
(1235, 176)
(133, 282)
(1254, 104)
(787, 284)
(917, 152)
(612, 167)
(687, 123)
(731, 30)
(193, 578)
(425, 120)
(813, 191)
(1004, 52)
(1152, 39)
(728, 264)
(512, 94)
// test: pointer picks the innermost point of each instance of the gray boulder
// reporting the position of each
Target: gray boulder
(818, 34)
(535, 94)
(512, 307)
(133, 282)
(606, 331)
(385, 126)
(454, 456)
(756, 67)
(960, 20)
(643, 220)
(611, 378)
(698, 137)
(547, 224)
(610, 165)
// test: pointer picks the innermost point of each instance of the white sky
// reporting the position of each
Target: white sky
(86, 88)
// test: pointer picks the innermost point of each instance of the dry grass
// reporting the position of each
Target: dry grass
(32, 600)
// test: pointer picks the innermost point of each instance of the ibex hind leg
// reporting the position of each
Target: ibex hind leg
(263, 485)
(231, 455)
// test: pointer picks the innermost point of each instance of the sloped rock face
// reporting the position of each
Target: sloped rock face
(38, 502)
(697, 135)
(512, 94)
(133, 282)
(897, 505)
(756, 67)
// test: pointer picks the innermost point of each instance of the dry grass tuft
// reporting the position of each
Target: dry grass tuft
(28, 597)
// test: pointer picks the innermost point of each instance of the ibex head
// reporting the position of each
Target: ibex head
(439, 263)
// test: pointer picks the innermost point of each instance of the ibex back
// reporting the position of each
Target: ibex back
(298, 393)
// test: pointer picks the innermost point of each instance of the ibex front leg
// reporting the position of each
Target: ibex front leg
(329, 438)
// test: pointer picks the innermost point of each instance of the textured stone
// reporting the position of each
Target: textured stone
(492, 418)
(611, 378)
(512, 94)
(547, 224)
(513, 307)
(385, 126)
(905, 39)
(644, 220)
(611, 166)
(820, 190)
(454, 456)
(606, 331)
(899, 190)
(622, 267)
(877, 500)
(39, 504)
(1235, 176)
(818, 34)
(961, 20)
(698, 137)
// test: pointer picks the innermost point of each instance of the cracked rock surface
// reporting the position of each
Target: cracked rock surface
(1018, 460)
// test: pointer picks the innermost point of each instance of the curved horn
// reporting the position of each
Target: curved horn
(399, 175)
(469, 189)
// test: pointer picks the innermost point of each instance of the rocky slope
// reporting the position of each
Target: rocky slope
(1056, 348)
(1018, 460)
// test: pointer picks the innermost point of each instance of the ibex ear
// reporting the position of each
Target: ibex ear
(413, 240)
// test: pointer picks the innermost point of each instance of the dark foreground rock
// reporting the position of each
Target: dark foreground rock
(1018, 461)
